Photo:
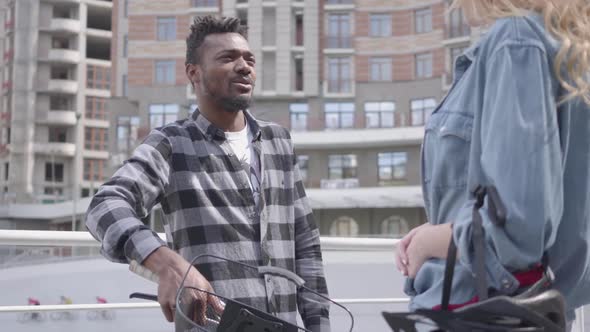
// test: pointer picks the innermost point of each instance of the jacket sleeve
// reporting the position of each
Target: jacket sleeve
(115, 213)
(521, 156)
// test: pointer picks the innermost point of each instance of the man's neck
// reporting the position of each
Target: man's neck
(227, 121)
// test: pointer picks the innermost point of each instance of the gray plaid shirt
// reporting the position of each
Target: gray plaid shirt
(189, 168)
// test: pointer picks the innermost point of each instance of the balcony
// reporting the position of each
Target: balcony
(55, 149)
(64, 55)
(456, 34)
(63, 86)
(64, 118)
(351, 138)
(65, 25)
(338, 44)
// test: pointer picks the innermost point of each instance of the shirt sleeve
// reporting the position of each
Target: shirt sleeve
(521, 156)
(308, 261)
(115, 212)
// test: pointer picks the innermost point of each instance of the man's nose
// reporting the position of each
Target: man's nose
(243, 67)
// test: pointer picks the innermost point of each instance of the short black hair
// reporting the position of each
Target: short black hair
(205, 25)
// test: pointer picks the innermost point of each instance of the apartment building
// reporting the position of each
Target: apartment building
(55, 71)
(355, 81)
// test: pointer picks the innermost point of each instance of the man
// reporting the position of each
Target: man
(228, 185)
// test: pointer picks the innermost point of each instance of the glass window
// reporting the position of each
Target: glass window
(394, 226)
(303, 162)
(380, 114)
(339, 115)
(339, 31)
(344, 227)
(54, 172)
(423, 20)
(342, 166)
(380, 25)
(392, 167)
(165, 72)
(298, 116)
(380, 68)
(421, 110)
(424, 65)
(166, 28)
(162, 114)
(339, 75)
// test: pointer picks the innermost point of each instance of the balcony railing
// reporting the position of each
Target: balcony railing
(339, 2)
(338, 42)
(457, 31)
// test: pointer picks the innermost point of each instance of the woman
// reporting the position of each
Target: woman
(517, 118)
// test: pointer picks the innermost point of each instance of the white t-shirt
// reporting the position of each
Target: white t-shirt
(241, 144)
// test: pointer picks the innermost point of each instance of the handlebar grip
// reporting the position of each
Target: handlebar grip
(273, 270)
(142, 271)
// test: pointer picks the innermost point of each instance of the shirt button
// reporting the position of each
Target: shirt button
(506, 283)
(268, 279)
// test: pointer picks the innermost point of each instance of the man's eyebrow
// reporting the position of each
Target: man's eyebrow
(234, 51)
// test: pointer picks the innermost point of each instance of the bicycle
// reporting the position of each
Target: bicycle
(233, 316)
(64, 315)
(35, 316)
(103, 314)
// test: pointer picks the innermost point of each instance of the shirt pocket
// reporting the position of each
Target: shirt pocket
(447, 144)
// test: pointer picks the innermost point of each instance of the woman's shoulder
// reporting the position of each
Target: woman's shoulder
(517, 31)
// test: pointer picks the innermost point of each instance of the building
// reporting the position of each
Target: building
(56, 72)
(355, 81)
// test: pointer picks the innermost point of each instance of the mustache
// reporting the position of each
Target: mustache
(244, 80)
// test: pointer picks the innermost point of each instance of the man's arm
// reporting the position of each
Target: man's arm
(115, 213)
(308, 261)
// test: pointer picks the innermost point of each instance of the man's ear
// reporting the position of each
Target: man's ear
(193, 73)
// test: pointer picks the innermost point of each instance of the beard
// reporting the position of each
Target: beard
(232, 104)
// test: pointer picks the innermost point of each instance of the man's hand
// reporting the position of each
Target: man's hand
(170, 268)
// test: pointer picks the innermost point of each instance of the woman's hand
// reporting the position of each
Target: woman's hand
(401, 255)
(425, 242)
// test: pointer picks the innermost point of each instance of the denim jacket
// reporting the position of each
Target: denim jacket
(501, 124)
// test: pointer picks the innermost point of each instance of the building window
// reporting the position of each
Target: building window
(58, 134)
(162, 114)
(96, 108)
(96, 139)
(303, 162)
(380, 25)
(380, 115)
(6, 169)
(54, 172)
(424, 65)
(421, 110)
(125, 85)
(380, 68)
(339, 31)
(392, 167)
(339, 115)
(60, 103)
(298, 116)
(342, 166)
(394, 226)
(344, 227)
(423, 20)
(458, 25)
(204, 3)
(94, 170)
(165, 72)
(127, 133)
(299, 35)
(298, 62)
(166, 28)
(125, 45)
(339, 75)
(126, 8)
(98, 77)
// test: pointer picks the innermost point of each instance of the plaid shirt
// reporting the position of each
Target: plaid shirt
(189, 168)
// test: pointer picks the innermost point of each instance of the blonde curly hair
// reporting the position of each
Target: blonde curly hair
(567, 20)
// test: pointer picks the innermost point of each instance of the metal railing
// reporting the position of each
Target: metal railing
(84, 239)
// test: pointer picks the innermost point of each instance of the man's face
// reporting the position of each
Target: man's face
(227, 74)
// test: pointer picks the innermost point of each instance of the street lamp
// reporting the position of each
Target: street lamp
(75, 170)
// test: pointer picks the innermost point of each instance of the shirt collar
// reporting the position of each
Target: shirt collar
(212, 132)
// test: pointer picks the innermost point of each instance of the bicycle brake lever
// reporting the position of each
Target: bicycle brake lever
(144, 296)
